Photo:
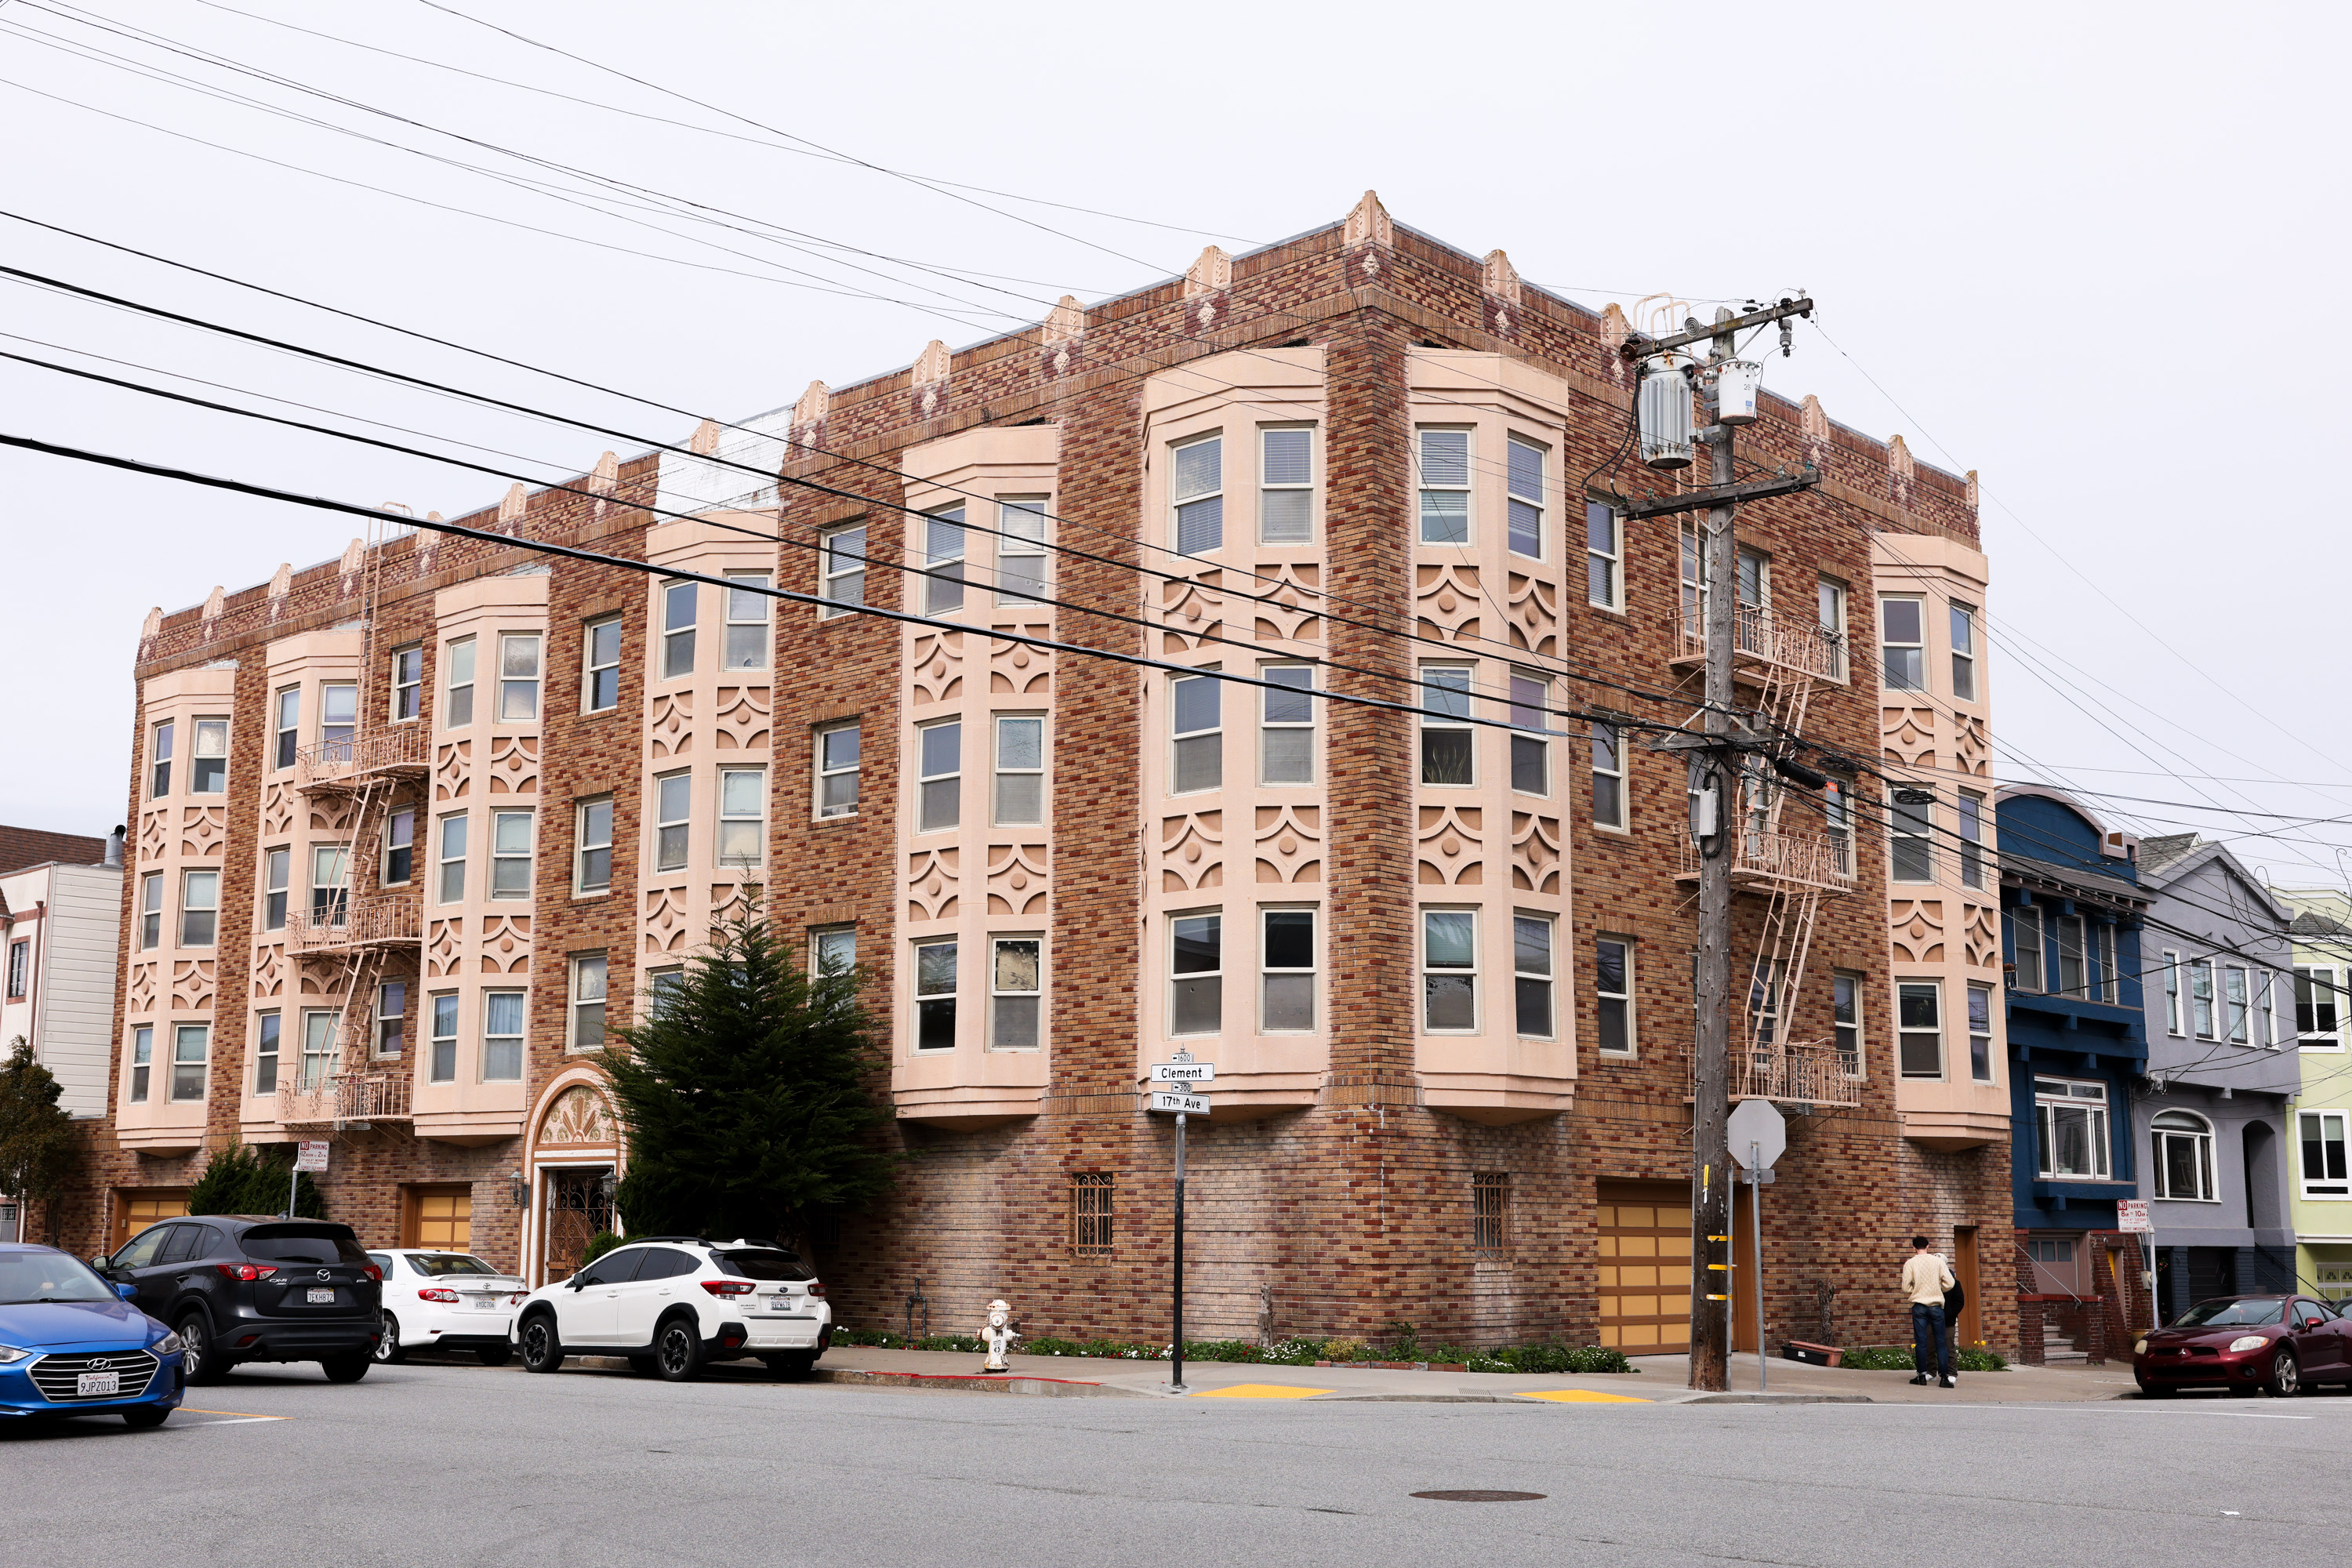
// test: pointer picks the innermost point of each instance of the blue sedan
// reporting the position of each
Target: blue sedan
(71, 1344)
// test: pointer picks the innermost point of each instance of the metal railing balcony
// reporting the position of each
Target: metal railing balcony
(1795, 1073)
(398, 750)
(1764, 858)
(1757, 637)
(378, 1093)
(345, 924)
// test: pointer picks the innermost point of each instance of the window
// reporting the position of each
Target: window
(1287, 966)
(678, 629)
(501, 1037)
(1197, 974)
(2026, 924)
(1608, 776)
(338, 715)
(1020, 551)
(1964, 654)
(1447, 755)
(1286, 742)
(832, 949)
(1020, 772)
(20, 964)
(1911, 836)
(390, 1018)
(836, 769)
(445, 1037)
(1694, 580)
(2316, 1019)
(1196, 710)
(208, 758)
(1531, 974)
(1612, 992)
(1831, 599)
(742, 819)
(1604, 555)
(276, 864)
(190, 1051)
(1845, 1020)
(843, 568)
(317, 1050)
(2234, 1002)
(1445, 486)
(940, 780)
(1752, 580)
(399, 848)
(747, 621)
(935, 995)
(1285, 497)
(459, 700)
(1525, 483)
(264, 1056)
(2171, 991)
(1490, 1209)
(1015, 993)
(2183, 1149)
(199, 908)
(1907, 668)
(289, 726)
(453, 860)
(587, 1024)
(1531, 754)
(151, 910)
(674, 813)
(510, 854)
(662, 987)
(1837, 821)
(600, 658)
(407, 683)
(2068, 931)
(519, 679)
(943, 562)
(2321, 1134)
(1980, 1033)
(1198, 495)
(159, 757)
(2071, 1119)
(1920, 1028)
(2200, 990)
(1449, 971)
(592, 853)
(1972, 840)
(2268, 1037)
(1090, 1213)
(142, 1058)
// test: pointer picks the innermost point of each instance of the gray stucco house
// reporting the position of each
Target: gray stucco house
(2212, 1116)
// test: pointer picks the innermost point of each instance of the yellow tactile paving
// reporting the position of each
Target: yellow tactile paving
(1259, 1391)
(1584, 1396)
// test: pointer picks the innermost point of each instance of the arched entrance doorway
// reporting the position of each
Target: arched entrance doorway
(576, 1158)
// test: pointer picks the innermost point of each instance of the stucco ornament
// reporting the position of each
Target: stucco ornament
(998, 1333)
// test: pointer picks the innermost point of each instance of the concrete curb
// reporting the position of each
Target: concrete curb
(1735, 1398)
(975, 1382)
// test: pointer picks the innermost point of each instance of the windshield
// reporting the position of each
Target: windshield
(765, 1264)
(311, 1244)
(26, 1277)
(449, 1263)
(2230, 1314)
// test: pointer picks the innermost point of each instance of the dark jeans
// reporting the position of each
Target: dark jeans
(1931, 1352)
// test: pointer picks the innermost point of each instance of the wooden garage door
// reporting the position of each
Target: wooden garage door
(135, 1209)
(441, 1217)
(1644, 1266)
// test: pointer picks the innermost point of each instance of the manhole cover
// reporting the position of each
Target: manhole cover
(1482, 1496)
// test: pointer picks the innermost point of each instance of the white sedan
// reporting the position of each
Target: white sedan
(450, 1300)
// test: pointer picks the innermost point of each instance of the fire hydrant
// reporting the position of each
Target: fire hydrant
(998, 1334)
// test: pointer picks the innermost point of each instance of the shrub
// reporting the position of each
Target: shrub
(1898, 1358)
(1346, 1349)
(1551, 1357)
(248, 1179)
(602, 1242)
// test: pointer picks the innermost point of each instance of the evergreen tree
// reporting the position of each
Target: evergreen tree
(39, 1152)
(745, 1096)
(250, 1179)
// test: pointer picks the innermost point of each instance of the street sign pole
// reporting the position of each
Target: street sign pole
(1180, 1077)
(1176, 1370)
(1756, 1218)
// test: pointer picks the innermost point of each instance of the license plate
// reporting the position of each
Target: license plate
(91, 1383)
(485, 1303)
(779, 1303)
(322, 1298)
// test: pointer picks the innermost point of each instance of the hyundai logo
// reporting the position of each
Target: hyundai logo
(96, 1364)
(326, 1274)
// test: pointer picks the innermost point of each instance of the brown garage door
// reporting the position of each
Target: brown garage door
(1644, 1266)
(136, 1208)
(440, 1217)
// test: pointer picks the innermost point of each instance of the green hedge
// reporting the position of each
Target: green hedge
(1897, 1357)
(1297, 1351)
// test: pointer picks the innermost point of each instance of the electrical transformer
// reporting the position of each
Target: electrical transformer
(1736, 385)
(1665, 411)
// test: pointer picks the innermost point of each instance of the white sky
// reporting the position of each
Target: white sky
(2078, 245)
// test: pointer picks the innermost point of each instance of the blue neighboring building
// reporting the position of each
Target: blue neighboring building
(2070, 908)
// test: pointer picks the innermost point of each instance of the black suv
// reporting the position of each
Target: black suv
(248, 1287)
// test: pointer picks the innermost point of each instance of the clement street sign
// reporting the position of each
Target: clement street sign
(1183, 1072)
(1185, 1104)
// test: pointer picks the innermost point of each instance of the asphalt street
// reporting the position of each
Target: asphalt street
(457, 1463)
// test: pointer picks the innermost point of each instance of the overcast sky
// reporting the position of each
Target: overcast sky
(2073, 247)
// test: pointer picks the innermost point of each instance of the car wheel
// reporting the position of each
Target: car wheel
(347, 1368)
(541, 1350)
(677, 1353)
(199, 1364)
(2286, 1375)
(146, 1415)
(794, 1366)
(494, 1355)
(387, 1344)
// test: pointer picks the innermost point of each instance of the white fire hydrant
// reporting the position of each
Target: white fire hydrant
(998, 1334)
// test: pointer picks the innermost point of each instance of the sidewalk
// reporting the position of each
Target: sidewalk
(1660, 1381)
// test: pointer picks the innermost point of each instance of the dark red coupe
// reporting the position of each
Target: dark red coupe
(2281, 1344)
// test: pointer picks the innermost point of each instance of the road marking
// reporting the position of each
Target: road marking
(2090, 1407)
(237, 1415)
(1583, 1396)
(1259, 1391)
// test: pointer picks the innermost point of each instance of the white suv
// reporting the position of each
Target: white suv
(671, 1303)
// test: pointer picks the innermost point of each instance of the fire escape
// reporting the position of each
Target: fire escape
(349, 941)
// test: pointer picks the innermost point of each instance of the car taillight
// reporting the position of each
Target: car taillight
(437, 1295)
(372, 1272)
(727, 1287)
(245, 1270)
(816, 1288)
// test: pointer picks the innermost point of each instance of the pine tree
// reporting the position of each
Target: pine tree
(39, 1152)
(248, 1179)
(745, 1096)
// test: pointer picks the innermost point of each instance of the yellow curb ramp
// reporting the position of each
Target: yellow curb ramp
(1258, 1390)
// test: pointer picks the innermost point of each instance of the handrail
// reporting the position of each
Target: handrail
(1814, 860)
(351, 758)
(355, 922)
(1795, 1072)
(1801, 645)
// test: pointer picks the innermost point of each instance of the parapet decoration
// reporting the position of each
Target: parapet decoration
(930, 379)
(510, 508)
(1064, 328)
(1369, 225)
(215, 602)
(1898, 471)
(1503, 297)
(282, 582)
(1206, 285)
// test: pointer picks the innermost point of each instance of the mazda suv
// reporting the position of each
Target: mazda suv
(241, 1287)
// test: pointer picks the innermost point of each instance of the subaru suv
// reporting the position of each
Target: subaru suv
(671, 1304)
(240, 1287)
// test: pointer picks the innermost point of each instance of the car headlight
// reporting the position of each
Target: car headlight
(2140, 1348)
(2248, 1343)
(168, 1346)
(10, 1353)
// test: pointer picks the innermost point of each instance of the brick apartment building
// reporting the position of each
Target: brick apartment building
(490, 797)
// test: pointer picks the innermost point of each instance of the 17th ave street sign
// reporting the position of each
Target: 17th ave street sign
(1187, 1104)
(1183, 1072)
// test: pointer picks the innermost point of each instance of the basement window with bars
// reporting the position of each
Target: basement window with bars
(1490, 1212)
(1091, 1194)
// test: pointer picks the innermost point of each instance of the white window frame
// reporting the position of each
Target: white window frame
(825, 944)
(2266, 1018)
(1912, 824)
(2308, 980)
(1269, 487)
(1445, 710)
(2200, 1135)
(943, 570)
(681, 610)
(998, 812)
(1212, 980)
(519, 690)
(1425, 488)
(829, 769)
(673, 821)
(441, 1042)
(407, 696)
(494, 1044)
(151, 910)
(2174, 1020)
(1211, 497)
(193, 1066)
(331, 883)
(338, 734)
(2237, 1004)
(1602, 998)
(1523, 976)
(502, 855)
(2326, 1187)
(458, 657)
(200, 895)
(1020, 577)
(1430, 972)
(1530, 714)
(590, 987)
(1909, 988)
(458, 822)
(160, 736)
(1971, 832)
(841, 570)
(1608, 752)
(2071, 935)
(286, 737)
(592, 667)
(1963, 625)
(268, 1043)
(392, 846)
(2070, 1097)
(1916, 647)
(742, 817)
(1980, 1035)
(927, 1003)
(389, 1010)
(744, 633)
(2204, 1012)
(1269, 974)
(1604, 556)
(1291, 678)
(1830, 600)
(1848, 989)
(209, 755)
(1209, 738)
(661, 984)
(143, 1062)
(999, 995)
(1518, 504)
(586, 840)
(2037, 982)
(943, 786)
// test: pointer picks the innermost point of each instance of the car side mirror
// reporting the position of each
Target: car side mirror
(99, 1263)
(126, 1291)
(574, 1283)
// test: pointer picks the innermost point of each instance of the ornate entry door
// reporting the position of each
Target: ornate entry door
(579, 1205)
